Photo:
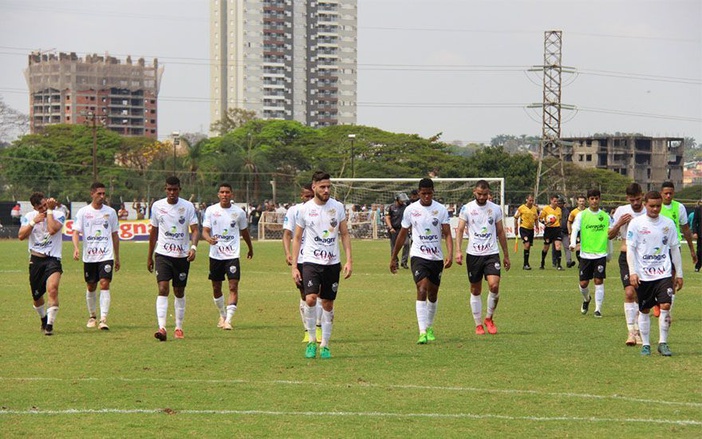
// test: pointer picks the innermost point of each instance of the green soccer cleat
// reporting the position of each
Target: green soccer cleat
(311, 350)
(645, 350)
(325, 353)
(664, 350)
(422, 338)
(430, 334)
(318, 334)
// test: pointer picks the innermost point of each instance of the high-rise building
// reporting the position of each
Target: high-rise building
(285, 59)
(121, 96)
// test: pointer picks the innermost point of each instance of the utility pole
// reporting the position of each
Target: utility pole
(176, 142)
(352, 138)
(92, 121)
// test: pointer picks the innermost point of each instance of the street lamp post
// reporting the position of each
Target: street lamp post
(352, 137)
(176, 142)
(92, 119)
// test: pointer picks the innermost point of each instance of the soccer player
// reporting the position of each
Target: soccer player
(222, 226)
(565, 235)
(173, 237)
(99, 226)
(593, 225)
(323, 222)
(526, 216)
(652, 241)
(551, 217)
(42, 226)
(306, 194)
(485, 230)
(430, 221)
(620, 223)
(393, 223)
(580, 206)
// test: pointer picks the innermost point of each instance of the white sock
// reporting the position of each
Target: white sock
(421, 308)
(319, 311)
(645, 328)
(179, 305)
(327, 323)
(231, 309)
(161, 310)
(586, 293)
(630, 310)
(91, 300)
(310, 318)
(302, 313)
(599, 297)
(105, 299)
(41, 310)
(51, 314)
(219, 303)
(431, 312)
(672, 302)
(663, 326)
(476, 305)
(493, 298)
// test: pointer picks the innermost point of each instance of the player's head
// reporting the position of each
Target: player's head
(481, 192)
(414, 195)
(554, 200)
(306, 192)
(172, 189)
(667, 192)
(224, 194)
(97, 193)
(321, 186)
(653, 201)
(634, 195)
(593, 198)
(38, 201)
(425, 190)
(401, 198)
(530, 200)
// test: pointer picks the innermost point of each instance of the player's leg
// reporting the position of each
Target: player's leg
(584, 287)
(421, 306)
(90, 298)
(165, 273)
(328, 292)
(105, 302)
(433, 298)
(232, 303)
(52, 291)
(493, 282)
(599, 273)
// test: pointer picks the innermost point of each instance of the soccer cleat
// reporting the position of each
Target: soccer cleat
(161, 334)
(526, 267)
(103, 325)
(405, 266)
(645, 350)
(631, 339)
(585, 307)
(656, 311)
(598, 314)
(311, 350)
(306, 338)
(92, 322)
(220, 324)
(43, 322)
(570, 264)
(325, 353)
(227, 326)
(542, 267)
(178, 333)
(664, 350)
(318, 334)
(430, 334)
(479, 330)
(637, 337)
(491, 328)
(49, 330)
(559, 268)
(422, 338)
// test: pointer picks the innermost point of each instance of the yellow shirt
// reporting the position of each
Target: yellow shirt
(527, 216)
(548, 210)
(573, 214)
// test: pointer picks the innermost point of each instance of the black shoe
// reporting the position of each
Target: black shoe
(542, 267)
(49, 330)
(404, 266)
(526, 267)
(697, 270)
(559, 268)
(43, 322)
(585, 307)
(570, 264)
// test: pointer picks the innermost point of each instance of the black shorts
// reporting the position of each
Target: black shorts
(300, 286)
(322, 280)
(624, 270)
(220, 267)
(480, 267)
(175, 269)
(527, 235)
(425, 268)
(94, 271)
(40, 269)
(593, 268)
(552, 234)
(651, 293)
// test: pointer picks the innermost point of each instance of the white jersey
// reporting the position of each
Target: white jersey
(482, 227)
(321, 225)
(289, 224)
(97, 227)
(225, 226)
(426, 223)
(620, 212)
(173, 222)
(651, 240)
(40, 241)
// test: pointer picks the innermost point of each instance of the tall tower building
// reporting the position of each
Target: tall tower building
(285, 59)
(122, 96)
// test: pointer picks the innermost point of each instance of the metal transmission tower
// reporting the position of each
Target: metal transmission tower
(551, 145)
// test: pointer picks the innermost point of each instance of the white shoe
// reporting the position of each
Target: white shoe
(103, 325)
(221, 322)
(92, 322)
(227, 326)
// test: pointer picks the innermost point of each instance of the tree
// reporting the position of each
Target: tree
(232, 119)
(30, 168)
(12, 123)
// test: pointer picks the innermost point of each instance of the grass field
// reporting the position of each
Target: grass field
(549, 372)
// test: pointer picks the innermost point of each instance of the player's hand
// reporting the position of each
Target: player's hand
(393, 266)
(459, 258)
(634, 280)
(150, 265)
(625, 218)
(51, 203)
(288, 260)
(678, 283)
(211, 240)
(448, 262)
(191, 255)
(694, 258)
(296, 275)
(117, 264)
(506, 263)
(39, 217)
(76, 254)
(249, 255)
(347, 270)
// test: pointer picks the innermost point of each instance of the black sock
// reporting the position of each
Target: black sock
(543, 256)
(526, 257)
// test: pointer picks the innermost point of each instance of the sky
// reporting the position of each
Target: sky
(468, 69)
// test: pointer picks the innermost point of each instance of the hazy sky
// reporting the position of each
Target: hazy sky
(461, 67)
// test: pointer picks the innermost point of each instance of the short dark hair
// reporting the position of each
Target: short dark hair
(414, 192)
(482, 184)
(668, 184)
(633, 189)
(96, 185)
(36, 198)
(225, 184)
(319, 176)
(425, 183)
(173, 181)
(594, 193)
(652, 195)
(307, 187)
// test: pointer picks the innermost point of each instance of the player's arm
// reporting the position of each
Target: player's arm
(346, 241)
(53, 225)
(576, 229)
(153, 235)
(399, 243)
(687, 233)
(502, 238)
(459, 241)
(676, 259)
(632, 263)
(75, 238)
(194, 239)
(115, 249)
(446, 231)
(388, 224)
(296, 244)
(247, 239)
(287, 241)
(207, 235)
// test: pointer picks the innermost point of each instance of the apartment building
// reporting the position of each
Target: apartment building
(285, 59)
(121, 96)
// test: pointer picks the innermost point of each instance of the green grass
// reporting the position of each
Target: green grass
(549, 372)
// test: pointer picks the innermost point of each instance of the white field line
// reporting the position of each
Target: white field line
(382, 386)
(349, 414)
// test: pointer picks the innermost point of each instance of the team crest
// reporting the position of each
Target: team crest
(665, 240)
(335, 286)
(181, 210)
(497, 266)
(333, 223)
(600, 268)
(182, 276)
(232, 269)
(435, 222)
(490, 220)
(233, 223)
(434, 213)
(105, 225)
(181, 220)
(669, 291)
(332, 212)
(108, 268)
